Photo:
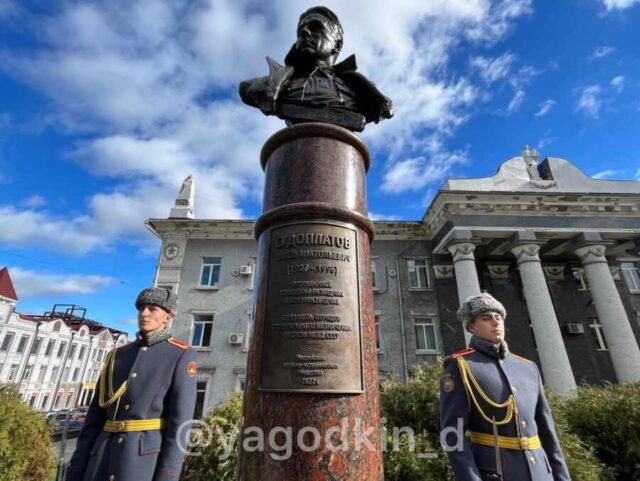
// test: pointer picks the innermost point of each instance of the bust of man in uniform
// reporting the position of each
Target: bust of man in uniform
(311, 87)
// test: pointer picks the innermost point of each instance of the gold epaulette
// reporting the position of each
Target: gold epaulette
(523, 358)
(178, 343)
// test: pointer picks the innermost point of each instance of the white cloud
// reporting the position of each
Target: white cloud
(602, 51)
(638, 174)
(382, 217)
(493, 69)
(617, 83)
(619, 4)
(415, 173)
(515, 102)
(547, 140)
(129, 322)
(31, 284)
(545, 107)
(589, 102)
(153, 86)
(35, 201)
(605, 174)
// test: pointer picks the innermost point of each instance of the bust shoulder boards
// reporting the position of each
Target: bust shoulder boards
(462, 352)
(523, 358)
(178, 343)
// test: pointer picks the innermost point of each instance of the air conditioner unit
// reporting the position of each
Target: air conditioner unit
(574, 328)
(236, 338)
(245, 270)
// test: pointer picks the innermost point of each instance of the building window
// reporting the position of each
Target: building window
(50, 346)
(36, 345)
(22, 344)
(6, 343)
(65, 374)
(72, 351)
(598, 335)
(201, 393)
(27, 372)
(582, 282)
(54, 374)
(76, 373)
(378, 339)
(240, 383)
(13, 372)
(631, 275)
(61, 349)
(42, 372)
(374, 278)
(418, 278)
(82, 351)
(210, 272)
(426, 340)
(45, 399)
(202, 327)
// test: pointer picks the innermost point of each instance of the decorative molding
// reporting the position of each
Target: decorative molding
(615, 272)
(171, 251)
(462, 251)
(498, 271)
(543, 184)
(443, 271)
(526, 253)
(592, 254)
(554, 273)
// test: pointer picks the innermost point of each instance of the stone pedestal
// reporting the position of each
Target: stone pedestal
(558, 374)
(621, 342)
(312, 375)
(464, 263)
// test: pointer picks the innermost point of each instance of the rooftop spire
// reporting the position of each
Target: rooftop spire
(185, 204)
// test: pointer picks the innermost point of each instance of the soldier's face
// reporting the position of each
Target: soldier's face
(489, 326)
(152, 318)
(316, 39)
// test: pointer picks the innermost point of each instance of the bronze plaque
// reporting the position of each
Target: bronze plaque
(311, 337)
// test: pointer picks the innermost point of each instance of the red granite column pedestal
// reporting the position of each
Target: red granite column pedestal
(311, 408)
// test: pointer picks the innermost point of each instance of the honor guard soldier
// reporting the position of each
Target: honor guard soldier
(495, 420)
(137, 427)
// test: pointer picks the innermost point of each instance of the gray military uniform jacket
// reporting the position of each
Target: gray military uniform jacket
(160, 384)
(499, 374)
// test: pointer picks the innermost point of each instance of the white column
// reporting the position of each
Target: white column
(464, 264)
(621, 341)
(558, 374)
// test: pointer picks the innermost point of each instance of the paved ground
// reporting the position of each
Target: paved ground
(70, 447)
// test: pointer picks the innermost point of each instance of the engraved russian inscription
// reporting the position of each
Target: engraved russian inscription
(311, 339)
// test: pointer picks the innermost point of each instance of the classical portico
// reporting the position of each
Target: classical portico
(528, 222)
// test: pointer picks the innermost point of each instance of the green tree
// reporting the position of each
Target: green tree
(25, 440)
(214, 450)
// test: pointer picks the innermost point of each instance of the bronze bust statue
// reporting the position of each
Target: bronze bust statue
(311, 87)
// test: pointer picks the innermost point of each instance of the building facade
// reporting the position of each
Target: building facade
(559, 249)
(55, 358)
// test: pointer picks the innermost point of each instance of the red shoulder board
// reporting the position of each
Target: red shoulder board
(523, 358)
(463, 352)
(176, 342)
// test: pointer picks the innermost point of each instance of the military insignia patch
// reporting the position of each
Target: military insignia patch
(191, 368)
(448, 384)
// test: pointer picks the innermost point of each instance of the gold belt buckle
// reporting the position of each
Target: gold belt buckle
(121, 425)
(524, 443)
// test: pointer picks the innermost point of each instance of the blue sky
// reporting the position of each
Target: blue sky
(105, 107)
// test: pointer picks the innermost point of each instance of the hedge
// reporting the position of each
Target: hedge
(25, 440)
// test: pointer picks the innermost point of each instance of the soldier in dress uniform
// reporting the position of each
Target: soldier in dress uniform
(137, 426)
(495, 420)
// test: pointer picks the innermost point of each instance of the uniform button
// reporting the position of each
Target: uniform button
(120, 440)
(126, 407)
(532, 460)
(112, 477)
(143, 348)
(134, 374)
(513, 388)
(524, 424)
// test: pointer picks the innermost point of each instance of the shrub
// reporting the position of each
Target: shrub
(608, 418)
(25, 440)
(416, 404)
(209, 462)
